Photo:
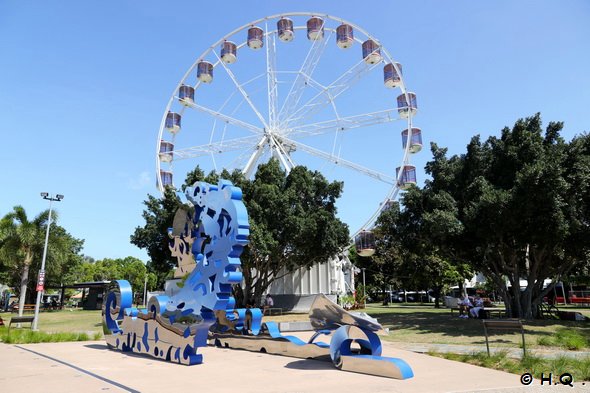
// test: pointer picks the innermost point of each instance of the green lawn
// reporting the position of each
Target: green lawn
(407, 323)
(78, 321)
(425, 324)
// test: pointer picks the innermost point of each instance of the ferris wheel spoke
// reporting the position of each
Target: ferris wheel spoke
(215, 147)
(271, 69)
(242, 91)
(326, 96)
(341, 162)
(225, 118)
(343, 123)
(305, 72)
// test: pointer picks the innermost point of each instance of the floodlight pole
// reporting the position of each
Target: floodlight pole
(51, 199)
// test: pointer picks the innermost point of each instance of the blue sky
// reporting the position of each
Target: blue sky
(83, 86)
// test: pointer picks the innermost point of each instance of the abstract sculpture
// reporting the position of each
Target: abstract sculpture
(207, 238)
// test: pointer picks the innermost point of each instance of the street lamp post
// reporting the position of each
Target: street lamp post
(41, 282)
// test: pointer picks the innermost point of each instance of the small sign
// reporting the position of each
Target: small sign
(41, 281)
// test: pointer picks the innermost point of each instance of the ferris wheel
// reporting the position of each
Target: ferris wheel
(307, 89)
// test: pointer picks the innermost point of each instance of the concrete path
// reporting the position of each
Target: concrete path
(512, 352)
(91, 367)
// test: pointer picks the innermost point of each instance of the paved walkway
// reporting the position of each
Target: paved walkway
(512, 352)
(91, 367)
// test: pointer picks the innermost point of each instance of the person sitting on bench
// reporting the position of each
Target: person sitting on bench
(474, 311)
(464, 306)
(268, 303)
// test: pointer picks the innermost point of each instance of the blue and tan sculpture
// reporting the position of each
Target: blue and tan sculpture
(215, 229)
(207, 238)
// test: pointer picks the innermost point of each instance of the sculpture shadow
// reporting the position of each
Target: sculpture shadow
(310, 364)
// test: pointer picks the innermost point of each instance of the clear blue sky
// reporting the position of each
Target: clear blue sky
(83, 86)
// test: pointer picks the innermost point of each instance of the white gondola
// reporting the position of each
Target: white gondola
(205, 72)
(391, 77)
(415, 142)
(315, 28)
(186, 95)
(402, 105)
(172, 122)
(255, 37)
(344, 36)
(285, 29)
(166, 178)
(371, 52)
(408, 177)
(365, 243)
(166, 149)
(229, 52)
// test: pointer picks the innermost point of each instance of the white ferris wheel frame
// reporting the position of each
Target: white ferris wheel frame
(275, 133)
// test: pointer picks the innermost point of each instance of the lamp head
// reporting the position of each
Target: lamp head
(59, 197)
(44, 194)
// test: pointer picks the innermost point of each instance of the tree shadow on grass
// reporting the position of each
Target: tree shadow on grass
(445, 324)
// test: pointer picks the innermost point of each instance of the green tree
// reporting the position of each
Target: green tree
(417, 239)
(522, 202)
(153, 236)
(293, 224)
(21, 248)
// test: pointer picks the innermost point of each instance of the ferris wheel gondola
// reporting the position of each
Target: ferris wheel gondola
(277, 93)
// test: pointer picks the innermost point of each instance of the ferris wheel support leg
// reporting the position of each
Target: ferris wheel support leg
(279, 152)
(259, 149)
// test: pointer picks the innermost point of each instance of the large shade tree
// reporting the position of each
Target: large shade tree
(293, 224)
(522, 200)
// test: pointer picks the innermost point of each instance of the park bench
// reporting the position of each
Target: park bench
(24, 319)
(26, 307)
(270, 310)
(504, 324)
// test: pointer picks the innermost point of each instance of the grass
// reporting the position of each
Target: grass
(536, 366)
(425, 324)
(21, 336)
(566, 338)
(55, 326)
(408, 323)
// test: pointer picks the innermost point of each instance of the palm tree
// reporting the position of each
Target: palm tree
(21, 241)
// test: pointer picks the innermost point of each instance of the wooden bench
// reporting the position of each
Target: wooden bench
(26, 307)
(489, 311)
(24, 319)
(269, 311)
(504, 324)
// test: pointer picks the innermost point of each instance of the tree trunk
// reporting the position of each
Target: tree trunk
(437, 291)
(24, 279)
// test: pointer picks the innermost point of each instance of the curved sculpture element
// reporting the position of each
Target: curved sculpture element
(172, 328)
(368, 360)
(354, 345)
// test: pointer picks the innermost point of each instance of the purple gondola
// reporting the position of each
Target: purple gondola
(415, 142)
(172, 122)
(229, 52)
(402, 105)
(255, 37)
(392, 78)
(408, 176)
(344, 36)
(285, 29)
(315, 28)
(205, 72)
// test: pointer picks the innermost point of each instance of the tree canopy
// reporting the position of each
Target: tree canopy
(21, 247)
(513, 207)
(292, 217)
